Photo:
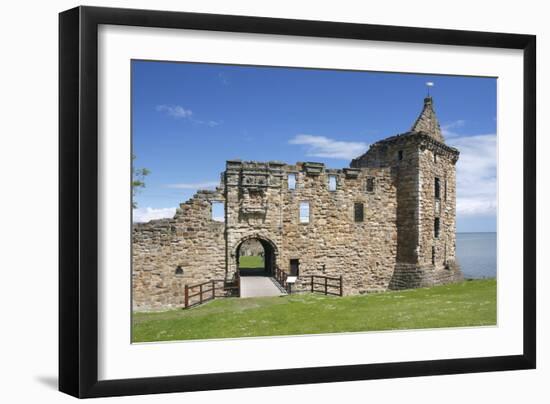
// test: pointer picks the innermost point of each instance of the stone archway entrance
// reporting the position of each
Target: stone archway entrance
(256, 257)
(258, 281)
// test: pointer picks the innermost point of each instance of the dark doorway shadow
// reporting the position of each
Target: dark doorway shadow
(253, 272)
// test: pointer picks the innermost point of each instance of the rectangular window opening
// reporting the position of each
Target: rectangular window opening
(291, 181)
(433, 255)
(218, 211)
(332, 183)
(304, 212)
(445, 190)
(370, 184)
(437, 188)
(359, 210)
(436, 227)
(400, 155)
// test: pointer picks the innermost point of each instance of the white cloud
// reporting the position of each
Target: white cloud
(447, 129)
(179, 112)
(476, 172)
(212, 124)
(141, 215)
(321, 146)
(475, 207)
(196, 185)
(175, 111)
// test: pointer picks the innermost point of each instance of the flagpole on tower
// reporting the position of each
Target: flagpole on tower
(428, 85)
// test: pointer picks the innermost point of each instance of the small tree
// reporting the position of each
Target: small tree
(138, 180)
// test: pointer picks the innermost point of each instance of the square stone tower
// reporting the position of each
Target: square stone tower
(424, 171)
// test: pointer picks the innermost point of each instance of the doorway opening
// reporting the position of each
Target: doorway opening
(255, 257)
(294, 267)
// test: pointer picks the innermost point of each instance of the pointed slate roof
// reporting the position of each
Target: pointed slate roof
(427, 122)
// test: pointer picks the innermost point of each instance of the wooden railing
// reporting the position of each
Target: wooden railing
(206, 291)
(281, 276)
(326, 287)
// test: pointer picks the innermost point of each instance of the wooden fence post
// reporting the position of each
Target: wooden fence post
(213, 290)
(200, 293)
(186, 296)
(311, 283)
(341, 286)
(326, 279)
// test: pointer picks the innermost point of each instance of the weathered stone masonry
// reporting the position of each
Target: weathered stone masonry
(386, 222)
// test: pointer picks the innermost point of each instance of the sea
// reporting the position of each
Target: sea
(477, 254)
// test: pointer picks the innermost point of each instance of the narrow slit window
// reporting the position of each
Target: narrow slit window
(291, 181)
(332, 183)
(400, 155)
(359, 211)
(435, 157)
(304, 212)
(445, 190)
(433, 255)
(436, 227)
(437, 188)
(218, 211)
(370, 184)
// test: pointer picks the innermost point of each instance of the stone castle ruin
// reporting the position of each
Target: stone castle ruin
(385, 222)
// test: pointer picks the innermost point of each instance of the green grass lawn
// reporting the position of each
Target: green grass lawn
(252, 265)
(251, 262)
(470, 303)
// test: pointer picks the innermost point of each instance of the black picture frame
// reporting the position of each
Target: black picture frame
(78, 196)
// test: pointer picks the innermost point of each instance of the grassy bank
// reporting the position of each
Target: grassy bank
(470, 303)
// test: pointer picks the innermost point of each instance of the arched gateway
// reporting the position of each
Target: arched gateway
(257, 282)
(270, 252)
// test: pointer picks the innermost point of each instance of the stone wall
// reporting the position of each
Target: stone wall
(401, 155)
(437, 253)
(167, 254)
(260, 204)
(333, 243)
(193, 248)
(417, 160)
(409, 276)
(253, 208)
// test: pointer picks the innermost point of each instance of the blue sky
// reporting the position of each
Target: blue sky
(188, 119)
